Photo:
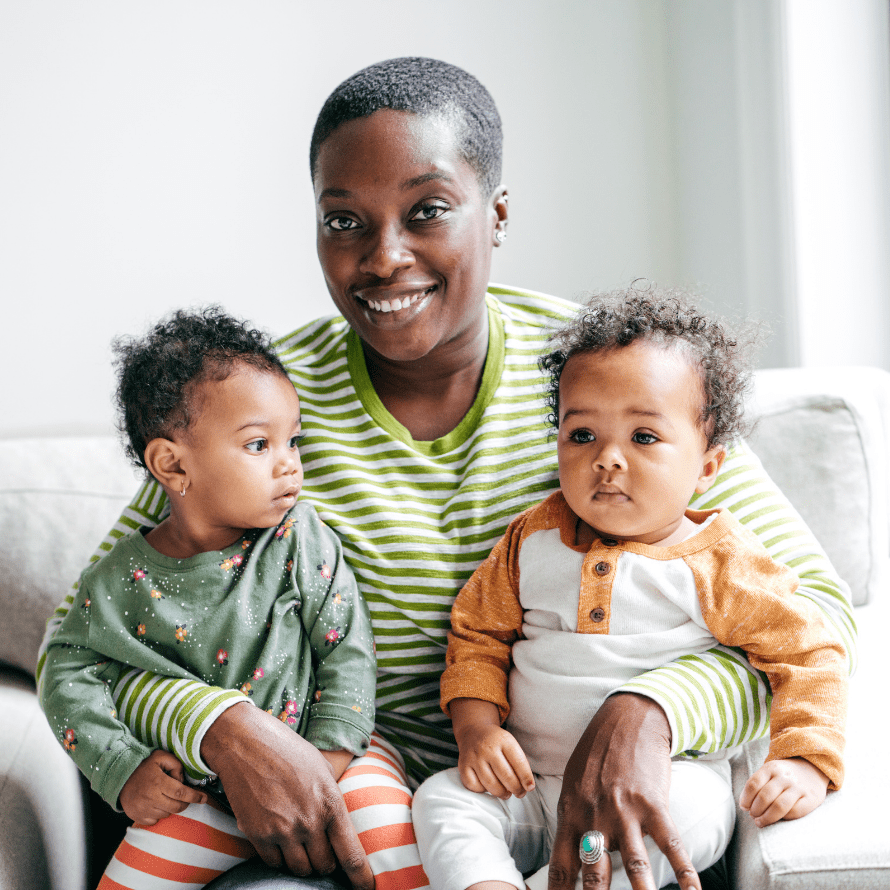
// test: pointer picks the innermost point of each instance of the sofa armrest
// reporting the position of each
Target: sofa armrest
(43, 820)
(845, 842)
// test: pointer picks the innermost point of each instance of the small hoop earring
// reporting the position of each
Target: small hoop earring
(182, 493)
(500, 236)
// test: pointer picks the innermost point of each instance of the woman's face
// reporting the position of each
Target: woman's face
(405, 235)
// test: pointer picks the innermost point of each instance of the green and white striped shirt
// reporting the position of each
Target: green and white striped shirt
(416, 518)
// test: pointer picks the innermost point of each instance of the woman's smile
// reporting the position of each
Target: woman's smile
(395, 299)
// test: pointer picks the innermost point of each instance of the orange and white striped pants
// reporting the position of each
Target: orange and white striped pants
(190, 849)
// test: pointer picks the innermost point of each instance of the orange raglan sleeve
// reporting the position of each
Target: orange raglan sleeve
(747, 601)
(486, 620)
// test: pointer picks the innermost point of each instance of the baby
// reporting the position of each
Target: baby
(612, 576)
(241, 587)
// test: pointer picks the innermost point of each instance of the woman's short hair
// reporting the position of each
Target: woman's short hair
(425, 87)
(159, 374)
(665, 317)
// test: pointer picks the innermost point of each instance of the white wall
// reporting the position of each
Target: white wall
(839, 127)
(154, 155)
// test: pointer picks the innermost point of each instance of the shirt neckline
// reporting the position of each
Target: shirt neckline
(491, 377)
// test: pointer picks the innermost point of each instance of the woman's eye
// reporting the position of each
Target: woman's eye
(341, 223)
(582, 437)
(258, 446)
(429, 211)
(644, 438)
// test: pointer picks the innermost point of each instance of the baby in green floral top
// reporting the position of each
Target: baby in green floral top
(241, 586)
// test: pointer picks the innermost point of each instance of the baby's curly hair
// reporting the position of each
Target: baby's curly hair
(158, 375)
(666, 317)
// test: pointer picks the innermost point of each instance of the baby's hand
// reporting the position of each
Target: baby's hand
(783, 789)
(491, 760)
(157, 789)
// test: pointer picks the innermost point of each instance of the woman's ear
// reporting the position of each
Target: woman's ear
(163, 459)
(499, 203)
(711, 463)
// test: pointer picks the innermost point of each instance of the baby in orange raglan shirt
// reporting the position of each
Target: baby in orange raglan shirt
(613, 576)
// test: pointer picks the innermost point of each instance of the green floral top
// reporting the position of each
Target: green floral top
(277, 616)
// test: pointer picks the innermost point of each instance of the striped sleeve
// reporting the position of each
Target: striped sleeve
(173, 714)
(716, 700)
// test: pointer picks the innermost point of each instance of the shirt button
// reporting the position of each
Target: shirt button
(610, 542)
(602, 568)
(597, 615)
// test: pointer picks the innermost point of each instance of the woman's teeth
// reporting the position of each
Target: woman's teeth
(395, 305)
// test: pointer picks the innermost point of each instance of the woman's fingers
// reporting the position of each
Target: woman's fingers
(635, 858)
(599, 874)
(663, 831)
(347, 849)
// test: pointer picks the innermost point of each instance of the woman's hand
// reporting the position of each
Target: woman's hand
(156, 789)
(617, 782)
(284, 796)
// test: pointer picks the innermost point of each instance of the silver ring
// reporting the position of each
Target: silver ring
(592, 847)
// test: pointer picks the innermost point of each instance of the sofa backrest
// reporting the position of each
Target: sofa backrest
(58, 499)
(822, 435)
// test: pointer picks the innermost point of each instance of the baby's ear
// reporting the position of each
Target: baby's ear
(162, 457)
(711, 463)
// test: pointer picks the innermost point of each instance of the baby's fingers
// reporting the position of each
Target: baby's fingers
(177, 796)
(519, 768)
(753, 786)
(766, 811)
(494, 778)
(470, 779)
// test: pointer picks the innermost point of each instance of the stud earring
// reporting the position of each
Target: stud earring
(500, 236)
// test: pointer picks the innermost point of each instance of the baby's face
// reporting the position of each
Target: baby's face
(240, 451)
(631, 450)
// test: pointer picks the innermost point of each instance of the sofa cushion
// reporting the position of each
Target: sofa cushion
(58, 499)
(821, 437)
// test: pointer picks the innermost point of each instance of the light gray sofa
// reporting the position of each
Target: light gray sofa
(823, 436)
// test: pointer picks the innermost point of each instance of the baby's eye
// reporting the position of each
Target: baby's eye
(430, 211)
(258, 446)
(341, 223)
(582, 437)
(644, 438)
(295, 440)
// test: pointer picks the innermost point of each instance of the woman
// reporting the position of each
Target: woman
(424, 414)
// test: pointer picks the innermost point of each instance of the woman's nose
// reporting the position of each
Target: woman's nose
(387, 252)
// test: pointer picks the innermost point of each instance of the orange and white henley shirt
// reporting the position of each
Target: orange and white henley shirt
(546, 630)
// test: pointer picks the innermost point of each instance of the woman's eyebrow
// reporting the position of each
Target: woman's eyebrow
(432, 176)
(334, 193)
